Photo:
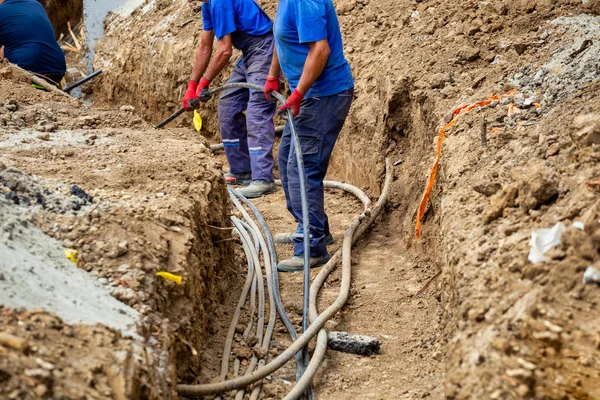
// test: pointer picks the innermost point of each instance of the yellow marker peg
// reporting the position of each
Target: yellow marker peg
(170, 277)
(197, 121)
(72, 255)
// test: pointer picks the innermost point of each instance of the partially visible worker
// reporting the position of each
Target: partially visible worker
(309, 50)
(245, 116)
(27, 39)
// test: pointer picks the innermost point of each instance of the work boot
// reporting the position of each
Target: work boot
(238, 179)
(288, 238)
(258, 188)
(296, 263)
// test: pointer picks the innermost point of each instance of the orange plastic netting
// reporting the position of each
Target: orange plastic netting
(432, 175)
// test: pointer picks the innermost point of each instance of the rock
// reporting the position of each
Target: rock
(468, 53)
(523, 390)
(44, 364)
(520, 48)
(127, 108)
(588, 128)
(44, 136)
(487, 188)
(124, 294)
(353, 344)
(39, 374)
(499, 202)
(553, 150)
(520, 373)
(439, 81)
(537, 184)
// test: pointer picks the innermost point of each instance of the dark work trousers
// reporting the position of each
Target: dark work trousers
(248, 137)
(318, 125)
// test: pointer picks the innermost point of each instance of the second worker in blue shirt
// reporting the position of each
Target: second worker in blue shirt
(310, 53)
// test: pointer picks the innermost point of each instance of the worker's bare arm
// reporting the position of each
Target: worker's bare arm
(220, 59)
(318, 53)
(203, 55)
(1, 51)
(275, 69)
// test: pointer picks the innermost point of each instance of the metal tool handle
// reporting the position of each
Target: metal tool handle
(193, 103)
(84, 80)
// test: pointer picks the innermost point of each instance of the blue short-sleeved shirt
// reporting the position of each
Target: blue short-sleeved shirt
(299, 22)
(28, 38)
(225, 17)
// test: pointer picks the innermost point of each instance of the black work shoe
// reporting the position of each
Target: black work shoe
(288, 238)
(296, 263)
(238, 179)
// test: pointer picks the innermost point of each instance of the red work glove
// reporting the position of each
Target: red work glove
(203, 86)
(190, 94)
(293, 102)
(272, 85)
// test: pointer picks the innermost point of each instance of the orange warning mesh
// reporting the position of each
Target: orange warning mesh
(432, 175)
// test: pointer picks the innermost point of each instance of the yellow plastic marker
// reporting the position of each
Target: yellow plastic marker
(170, 277)
(72, 255)
(197, 121)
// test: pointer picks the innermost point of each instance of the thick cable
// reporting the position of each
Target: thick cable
(240, 304)
(297, 149)
(276, 293)
(266, 340)
(303, 340)
(321, 346)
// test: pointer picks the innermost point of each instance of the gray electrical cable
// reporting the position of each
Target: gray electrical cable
(276, 294)
(313, 329)
(297, 150)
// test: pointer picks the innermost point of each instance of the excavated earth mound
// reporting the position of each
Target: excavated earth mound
(132, 202)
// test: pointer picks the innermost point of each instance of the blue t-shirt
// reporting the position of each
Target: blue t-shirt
(299, 22)
(28, 38)
(236, 17)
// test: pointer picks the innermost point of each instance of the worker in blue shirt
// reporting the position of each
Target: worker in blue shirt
(310, 53)
(245, 116)
(27, 39)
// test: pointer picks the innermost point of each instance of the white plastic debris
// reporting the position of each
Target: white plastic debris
(591, 275)
(579, 225)
(543, 240)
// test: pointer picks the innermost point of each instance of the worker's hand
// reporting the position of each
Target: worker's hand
(293, 102)
(202, 90)
(190, 94)
(272, 85)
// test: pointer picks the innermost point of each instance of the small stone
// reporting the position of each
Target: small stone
(127, 108)
(468, 53)
(438, 356)
(44, 364)
(487, 188)
(519, 373)
(553, 150)
(41, 390)
(523, 390)
(39, 374)
(439, 81)
(44, 136)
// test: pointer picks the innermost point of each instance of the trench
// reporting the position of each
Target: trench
(408, 131)
(404, 131)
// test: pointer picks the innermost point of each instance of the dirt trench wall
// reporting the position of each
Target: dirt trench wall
(158, 197)
(147, 58)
